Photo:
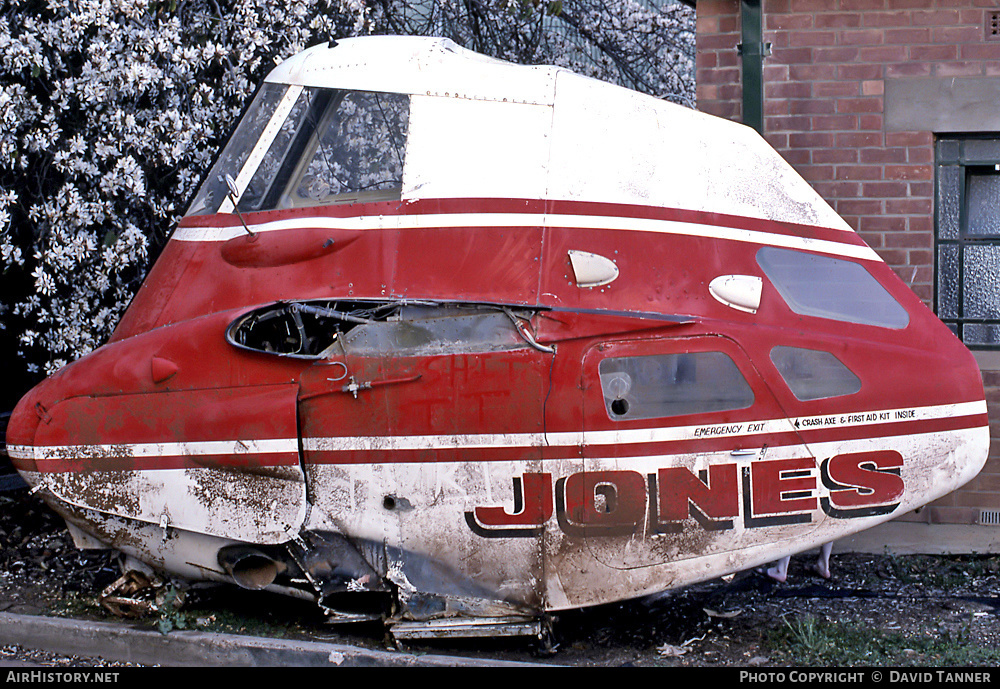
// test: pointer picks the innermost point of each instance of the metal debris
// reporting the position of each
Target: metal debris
(129, 596)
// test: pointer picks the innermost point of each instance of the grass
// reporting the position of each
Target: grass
(231, 611)
(808, 640)
(944, 573)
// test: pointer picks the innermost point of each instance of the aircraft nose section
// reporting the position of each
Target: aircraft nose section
(896, 418)
(969, 415)
(20, 433)
(29, 419)
(939, 420)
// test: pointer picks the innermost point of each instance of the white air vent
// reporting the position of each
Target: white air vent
(592, 270)
(989, 517)
(741, 292)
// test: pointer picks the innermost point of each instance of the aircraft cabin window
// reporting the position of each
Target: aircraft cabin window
(828, 287)
(324, 328)
(645, 387)
(813, 374)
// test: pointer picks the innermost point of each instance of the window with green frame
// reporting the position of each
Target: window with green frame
(967, 226)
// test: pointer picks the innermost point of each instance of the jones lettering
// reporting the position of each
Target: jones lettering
(763, 494)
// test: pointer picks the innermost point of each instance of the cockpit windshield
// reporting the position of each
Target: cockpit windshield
(300, 146)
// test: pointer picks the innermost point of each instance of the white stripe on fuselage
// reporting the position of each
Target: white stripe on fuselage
(636, 436)
(147, 450)
(596, 222)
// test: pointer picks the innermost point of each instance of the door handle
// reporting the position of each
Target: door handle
(354, 387)
(748, 452)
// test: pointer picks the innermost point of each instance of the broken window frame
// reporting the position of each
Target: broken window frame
(398, 327)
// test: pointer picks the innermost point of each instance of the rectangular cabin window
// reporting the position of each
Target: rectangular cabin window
(646, 387)
(967, 227)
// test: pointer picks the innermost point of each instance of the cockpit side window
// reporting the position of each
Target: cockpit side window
(828, 287)
(235, 155)
(645, 387)
(334, 147)
(298, 147)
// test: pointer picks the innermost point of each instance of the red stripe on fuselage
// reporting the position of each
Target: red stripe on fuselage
(534, 207)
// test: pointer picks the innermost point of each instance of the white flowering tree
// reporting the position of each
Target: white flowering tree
(647, 45)
(112, 110)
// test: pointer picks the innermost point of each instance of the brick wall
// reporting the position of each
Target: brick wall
(823, 103)
(717, 65)
(824, 107)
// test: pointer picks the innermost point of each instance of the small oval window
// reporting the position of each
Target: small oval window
(813, 374)
(828, 287)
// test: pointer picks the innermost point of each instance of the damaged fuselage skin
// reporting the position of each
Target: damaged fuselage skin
(463, 339)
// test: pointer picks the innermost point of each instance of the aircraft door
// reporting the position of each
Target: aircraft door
(687, 457)
(419, 440)
(342, 421)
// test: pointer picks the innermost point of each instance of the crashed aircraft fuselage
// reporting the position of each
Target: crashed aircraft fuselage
(462, 339)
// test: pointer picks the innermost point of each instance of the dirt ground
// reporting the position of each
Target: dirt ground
(885, 610)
